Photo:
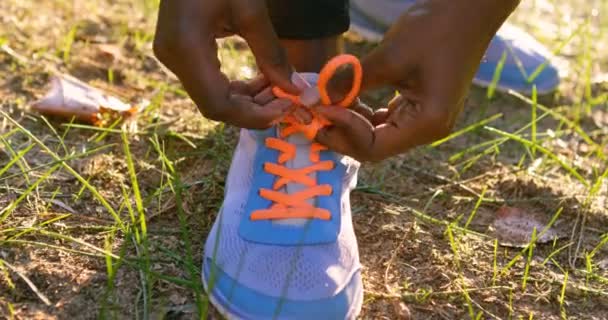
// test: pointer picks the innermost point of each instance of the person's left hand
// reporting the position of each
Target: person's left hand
(354, 130)
(430, 55)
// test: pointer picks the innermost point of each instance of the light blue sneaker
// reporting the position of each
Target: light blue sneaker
(283, 245)
(524, 55)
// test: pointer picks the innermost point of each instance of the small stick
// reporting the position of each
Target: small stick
(28, 281)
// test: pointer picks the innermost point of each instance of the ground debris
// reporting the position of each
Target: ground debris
(70, 98)
(514, 227)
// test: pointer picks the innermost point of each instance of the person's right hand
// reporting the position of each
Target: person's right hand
(185, 42)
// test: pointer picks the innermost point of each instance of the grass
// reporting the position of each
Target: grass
(110, 222)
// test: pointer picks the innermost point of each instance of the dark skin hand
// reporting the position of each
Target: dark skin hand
(430, 55)
(186, 43)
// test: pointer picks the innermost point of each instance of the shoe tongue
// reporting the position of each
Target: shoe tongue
(302, 158)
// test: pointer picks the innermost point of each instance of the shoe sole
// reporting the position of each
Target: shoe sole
(352, 313)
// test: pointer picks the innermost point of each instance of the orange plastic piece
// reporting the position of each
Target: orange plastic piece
(292, 206)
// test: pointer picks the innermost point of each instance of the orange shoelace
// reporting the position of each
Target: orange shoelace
(295, 205)
(291, 206)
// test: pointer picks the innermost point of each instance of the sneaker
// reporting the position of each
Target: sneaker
(524, 54)
(283, 245)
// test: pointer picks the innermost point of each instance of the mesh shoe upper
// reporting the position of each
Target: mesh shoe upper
(298, 271)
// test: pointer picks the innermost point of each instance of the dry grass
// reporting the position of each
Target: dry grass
(106, 224)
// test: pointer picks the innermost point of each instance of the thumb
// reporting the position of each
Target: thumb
(342, 118)
(351, 134)
(255, 27)
(352, 126)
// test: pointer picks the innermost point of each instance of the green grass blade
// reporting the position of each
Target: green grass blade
(13, 205)
(496, 76)
(467, 129)
(15, 159)
(533, 121)
(545, 151)
(85, 183)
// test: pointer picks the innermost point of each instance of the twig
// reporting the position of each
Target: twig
(392, 258)
(8, 50)
(573, 254)
(443, 179)
(40, 295)
(434, 293)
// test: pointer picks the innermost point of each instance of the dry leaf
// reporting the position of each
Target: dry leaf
(600, 118)
(62, 205)
(109, 52)
(514, 227)
(177, 299)
(69, 97)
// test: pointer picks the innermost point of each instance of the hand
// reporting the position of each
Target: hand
(185, 42)
(430, 55)
(354, 130)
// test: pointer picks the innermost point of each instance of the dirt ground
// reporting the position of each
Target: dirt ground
(410, 212)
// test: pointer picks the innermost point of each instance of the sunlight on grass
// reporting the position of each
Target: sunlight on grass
(131, 208)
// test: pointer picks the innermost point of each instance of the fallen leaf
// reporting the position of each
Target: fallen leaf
(109, 52)
(177, 299)
(62, 205)
(514, 227)
(69, 97)
(600, 118)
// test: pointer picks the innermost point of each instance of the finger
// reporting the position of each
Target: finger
(333, 139)
(255, 26)
(362, 109)
(350, 132)
(264, 97)
(380, 116)
(253, 116)
(303, 115)
(257, 84)
(341, 117)
(250, 87)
